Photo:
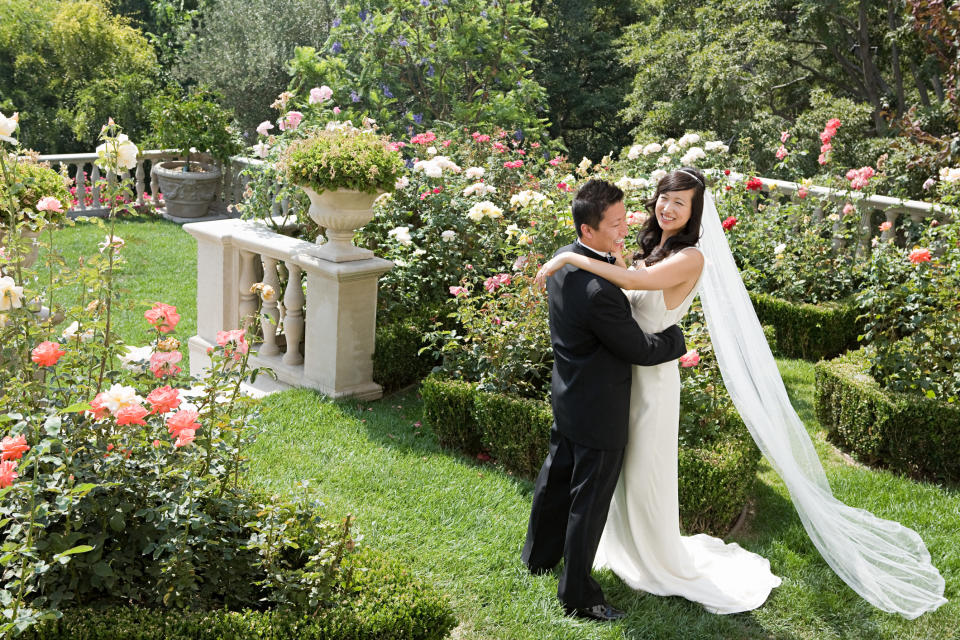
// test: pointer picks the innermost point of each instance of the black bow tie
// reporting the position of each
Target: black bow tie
(611, 259)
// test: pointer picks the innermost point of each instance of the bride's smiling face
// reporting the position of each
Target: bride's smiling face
(673, 210)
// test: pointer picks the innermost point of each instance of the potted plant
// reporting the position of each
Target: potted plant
(189, 123)
(342, 169)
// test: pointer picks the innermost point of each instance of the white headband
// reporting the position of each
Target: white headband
(692, 175)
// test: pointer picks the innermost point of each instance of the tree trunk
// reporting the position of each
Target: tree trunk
(868, 68)
(895, 57)
(918, 80)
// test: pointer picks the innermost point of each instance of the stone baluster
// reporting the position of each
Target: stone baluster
(865, 232)
(270, 314)
(154, 183)
(95, 187)
(139, 182)
(247, 308)
(839, 242)
(891, 233)
(293, 324)
(80, 182)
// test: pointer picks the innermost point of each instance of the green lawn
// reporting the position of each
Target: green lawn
(460, 524)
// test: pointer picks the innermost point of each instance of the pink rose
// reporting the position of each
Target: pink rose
(163, 399)
(782, 152)
(49, 203)
(291, 121)
(784, 136)
(320, 94)
(802, 192)
(885, 226)
(131, 414)
(690, 359)
(185, 419)
(233, 342)
(163, 317)
(848, 209)
(164, 363)
(459, 291)
(264, 127)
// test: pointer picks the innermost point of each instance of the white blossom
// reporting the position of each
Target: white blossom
(449, 235)
(634, 152)
(688, 139)
(475, 172)
(11, 295)
(402, 235)
(652, 148)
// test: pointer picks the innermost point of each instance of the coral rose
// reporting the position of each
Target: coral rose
(13, 448)
(163, 317)
(8, 473)
(185, 419)
(46, 353)
(163, 399)
(164, 363)
(131, 414)
(919, 255)
(690, 358)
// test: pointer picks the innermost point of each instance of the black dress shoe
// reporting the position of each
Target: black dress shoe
(602, 612)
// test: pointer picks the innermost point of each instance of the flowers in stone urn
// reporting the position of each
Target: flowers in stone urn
(342, 169)
(341, 156)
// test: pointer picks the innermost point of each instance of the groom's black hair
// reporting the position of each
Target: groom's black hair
(592, 200)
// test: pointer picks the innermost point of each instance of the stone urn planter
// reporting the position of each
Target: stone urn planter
(341, 212)
(188, 194)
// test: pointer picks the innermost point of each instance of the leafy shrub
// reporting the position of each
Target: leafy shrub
(515, 431)
(389, 604)
(192, 120)
(241, 48)
(342, 158)
(448, 407)
(809, 331)
(29, 182)
(421, 65)
(908, 432)
(68, 66)
(397, 357)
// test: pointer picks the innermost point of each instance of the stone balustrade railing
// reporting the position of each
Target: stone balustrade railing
(892, 209)
(318, 330)
(81, 169)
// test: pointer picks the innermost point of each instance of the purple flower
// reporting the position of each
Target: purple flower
(355, 96)
(418, 118)
(424, 3)
(483, 14)
(364, 14)
(518, 135)
(430, 71)
(337, 47)
(336, 23)
(401, 42)
(386, 91)
(409, 162)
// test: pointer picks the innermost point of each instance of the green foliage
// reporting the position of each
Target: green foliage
(909, 433)
(809, 331)
(912, 315)
(389, 603)
(342, 159)
(397, 357)
(584, 79)
(241, 49)
(408, 65)
(514, 430)
(192, 120)
(68, 66)
(716, 479)
(23, 184)
(716, 474)
(448, 407)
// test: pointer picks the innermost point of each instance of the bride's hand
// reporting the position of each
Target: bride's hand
(552, 266)
(618, 254)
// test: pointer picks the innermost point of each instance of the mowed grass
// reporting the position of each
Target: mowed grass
(460, 524)
(159, 264)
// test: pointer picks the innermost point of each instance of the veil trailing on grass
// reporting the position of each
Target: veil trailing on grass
(883, 561)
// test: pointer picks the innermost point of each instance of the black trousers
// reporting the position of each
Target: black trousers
(570, 503)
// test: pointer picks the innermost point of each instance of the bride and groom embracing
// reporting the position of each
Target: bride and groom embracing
(606, 496)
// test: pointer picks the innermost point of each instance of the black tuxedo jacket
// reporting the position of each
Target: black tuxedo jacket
(595, 341)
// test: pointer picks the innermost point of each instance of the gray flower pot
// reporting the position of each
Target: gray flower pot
(188, 194)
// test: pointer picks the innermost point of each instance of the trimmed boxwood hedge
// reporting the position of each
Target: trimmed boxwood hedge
(397, 361)
(715, 479)
(809, 331)
(389, 605)
(909, 433)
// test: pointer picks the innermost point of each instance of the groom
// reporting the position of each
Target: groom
(595, 340)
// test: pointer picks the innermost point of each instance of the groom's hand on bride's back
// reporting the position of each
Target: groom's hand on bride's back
(613, 325)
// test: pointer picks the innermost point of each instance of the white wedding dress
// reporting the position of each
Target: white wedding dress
(641, 542)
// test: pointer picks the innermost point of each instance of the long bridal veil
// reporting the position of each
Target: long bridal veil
(883, 561)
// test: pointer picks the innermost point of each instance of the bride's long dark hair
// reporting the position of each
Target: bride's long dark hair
(650, 234)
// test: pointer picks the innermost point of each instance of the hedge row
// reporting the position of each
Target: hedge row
(909, 433)
(397, 361)
(389, 605)
(714, 480)
(808, 331)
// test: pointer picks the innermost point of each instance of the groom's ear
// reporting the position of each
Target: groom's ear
(586, 231)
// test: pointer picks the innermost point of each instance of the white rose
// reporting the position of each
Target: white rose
(118, 396)
(431, 151)
(664, 160)
(585, 164)
(688, 139)
(126, 154)
(780, 248)
(475, 172)
(674, 148)
(402, 235)
(668, 142)
(10, 294)
(657, 175)
(261, 149)
(651, 148)
(8, 125)
(382, 199)
(136, 359)
(446, 163)
(512, 230)
(692, 155)
(401, 182)
(634, 152)
(448, 235)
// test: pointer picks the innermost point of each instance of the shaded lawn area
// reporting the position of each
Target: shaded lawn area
(460, 524)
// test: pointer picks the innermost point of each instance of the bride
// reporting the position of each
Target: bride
(683, 251)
